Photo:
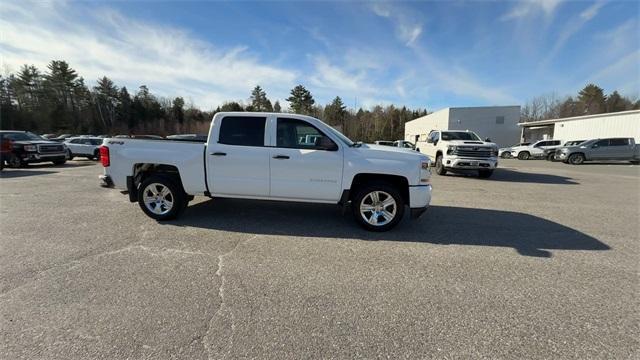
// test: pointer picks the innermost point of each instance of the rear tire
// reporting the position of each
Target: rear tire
(378, 207)
(576, 159)
(484, 174)
(635, 162)
(161, 199)
(96, 155)
(524, 155)
(440, 170)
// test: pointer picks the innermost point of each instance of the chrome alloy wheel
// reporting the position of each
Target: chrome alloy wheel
(378, 208)
(158, 198)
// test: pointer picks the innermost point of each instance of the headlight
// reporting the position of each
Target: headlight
(425, 165)
(30, 148)
(451, 149)
(494, 151)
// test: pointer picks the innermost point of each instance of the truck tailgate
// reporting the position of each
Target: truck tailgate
(187, 157)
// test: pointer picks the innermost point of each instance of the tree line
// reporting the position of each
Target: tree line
(59, 101)
(590, 100)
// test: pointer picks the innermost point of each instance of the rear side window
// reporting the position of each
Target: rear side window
(242, 130)
(555, 142)
(618, 142)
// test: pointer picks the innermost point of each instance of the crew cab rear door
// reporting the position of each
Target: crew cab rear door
(237, 158)
(306, 163)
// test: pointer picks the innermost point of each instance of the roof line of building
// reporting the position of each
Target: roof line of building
(553, 121)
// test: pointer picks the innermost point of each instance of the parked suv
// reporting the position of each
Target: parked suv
(83, 146)
(537, 150)
(600, 150)
(29, 148)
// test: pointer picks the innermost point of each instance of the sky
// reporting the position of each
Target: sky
(431, 54)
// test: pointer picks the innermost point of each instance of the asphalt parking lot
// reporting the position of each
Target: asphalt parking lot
(540, 261)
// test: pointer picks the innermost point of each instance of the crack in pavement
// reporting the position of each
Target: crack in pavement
(206, 337)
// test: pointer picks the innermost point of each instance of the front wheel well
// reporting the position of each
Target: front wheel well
(399, 182)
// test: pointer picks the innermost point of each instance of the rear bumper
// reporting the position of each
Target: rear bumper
(105, 181)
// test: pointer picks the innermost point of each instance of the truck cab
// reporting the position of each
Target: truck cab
(460, 150)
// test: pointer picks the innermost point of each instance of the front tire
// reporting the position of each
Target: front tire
(524, 155)
(551, 157)
(440, 170)
(69, 155)
(161, 199)
(378, 207)
(576, 159)
(15, 162)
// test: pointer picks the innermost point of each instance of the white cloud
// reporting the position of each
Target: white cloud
(622, 75)
(530, 8)
(572, 27)
(590, 12)
(408, 27)
(171, 61)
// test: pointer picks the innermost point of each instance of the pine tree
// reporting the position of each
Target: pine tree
(593, 99)
(259, 100)
(177, 109)
(335, 113)
(301, 101)
(276, 107)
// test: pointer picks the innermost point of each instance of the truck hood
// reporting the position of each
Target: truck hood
(35, 142)
(470, 143)
(389, 152)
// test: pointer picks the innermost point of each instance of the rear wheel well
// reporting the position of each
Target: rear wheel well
(399, 182)
(143, 171)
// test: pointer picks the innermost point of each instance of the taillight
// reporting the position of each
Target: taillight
(104, 156)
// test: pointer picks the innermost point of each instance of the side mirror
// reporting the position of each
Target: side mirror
(324, 143)
(429, 140)
(487, 140)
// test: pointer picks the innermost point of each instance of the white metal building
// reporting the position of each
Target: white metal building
(499, 123)
(619, 124)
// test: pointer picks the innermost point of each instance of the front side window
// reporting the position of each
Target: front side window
(242, 131)
(601, 143)
(298, 134)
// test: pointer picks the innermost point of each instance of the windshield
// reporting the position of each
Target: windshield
(341, 136)
(26, 136)
(460, 135)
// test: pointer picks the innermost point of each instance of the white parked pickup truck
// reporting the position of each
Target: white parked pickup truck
(268, 156)
(460, 150)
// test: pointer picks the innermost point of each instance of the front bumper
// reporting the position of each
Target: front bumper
(36, 158)
(561, 156)
(419, 199)
(470, 163)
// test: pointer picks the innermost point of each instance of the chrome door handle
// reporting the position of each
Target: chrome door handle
(219, 154)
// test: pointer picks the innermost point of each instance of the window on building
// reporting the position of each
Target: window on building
(499, 119)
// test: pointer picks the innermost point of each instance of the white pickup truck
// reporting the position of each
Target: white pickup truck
(460, 150)
(267, 156)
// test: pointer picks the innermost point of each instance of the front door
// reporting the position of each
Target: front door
(305, 162)
(601, 150)
(237, 158)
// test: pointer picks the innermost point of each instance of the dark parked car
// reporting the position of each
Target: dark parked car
(27, 148)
